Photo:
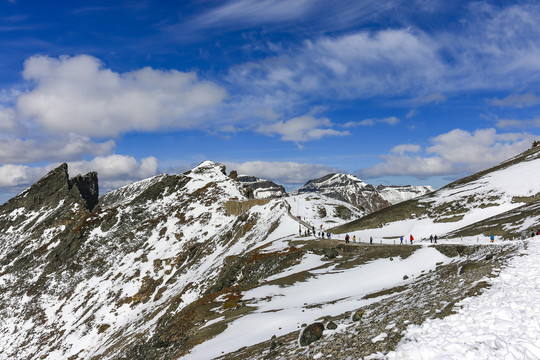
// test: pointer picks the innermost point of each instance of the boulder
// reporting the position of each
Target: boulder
(358, 315)
(311, 333)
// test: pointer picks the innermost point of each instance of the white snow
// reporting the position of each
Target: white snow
(329, 291)
(502, 323)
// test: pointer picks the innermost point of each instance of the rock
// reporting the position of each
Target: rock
(405, 277)
(330, 253)
(311, 333)
(331, 325)
(358, 315)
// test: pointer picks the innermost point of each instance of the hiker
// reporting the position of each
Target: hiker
(532, 234)
(313, 228)
(492, 237)
(435, 239)
(354, 238)
(412, 239)
(401, 240)
(347, 239)
(328, 235)
(431, 239)
(371, 240)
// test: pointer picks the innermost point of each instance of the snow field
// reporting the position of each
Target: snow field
(502, 323)
(280, 310)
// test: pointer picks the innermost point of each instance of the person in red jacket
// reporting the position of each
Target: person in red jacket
(412, 239)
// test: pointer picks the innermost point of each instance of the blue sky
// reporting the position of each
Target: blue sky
(394, 91)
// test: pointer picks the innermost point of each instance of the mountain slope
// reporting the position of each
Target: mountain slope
(491, 192)
(396, 194)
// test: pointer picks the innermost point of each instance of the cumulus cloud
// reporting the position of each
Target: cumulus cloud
(401, 149)
(8, 122)
(301, 129)
(454, 153)
(13, 176)
(78, 95)
(58, 149)
(116, 170)
(282, 172)
(113, 171)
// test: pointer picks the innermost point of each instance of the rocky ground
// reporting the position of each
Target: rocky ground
(378, 327)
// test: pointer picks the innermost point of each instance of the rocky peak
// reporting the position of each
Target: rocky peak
(332, 181)
(346, 187)
(55, 187)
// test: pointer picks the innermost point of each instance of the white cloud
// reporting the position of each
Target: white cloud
(58, 149)
(411, 148)
(282, 172)
(358, 65)
(392, 120)
(301, 129)
(12, 176)
(518, 124)
(113, 171)
(517, 100)
(8, 122)
(454, 153)
(490, 48)
(78, 95)
(240, 14)
(116, 170)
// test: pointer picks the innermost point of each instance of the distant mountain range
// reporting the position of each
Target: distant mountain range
(210, 265)
(343, 187)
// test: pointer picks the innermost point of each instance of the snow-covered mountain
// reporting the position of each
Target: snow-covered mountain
(262, 189)
(346, 187)
(77, 283)
(190, 266)
(395, 193)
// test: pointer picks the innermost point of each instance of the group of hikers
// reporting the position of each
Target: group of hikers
(432, 238)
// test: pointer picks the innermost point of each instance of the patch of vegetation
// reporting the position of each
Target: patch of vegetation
(343, 212)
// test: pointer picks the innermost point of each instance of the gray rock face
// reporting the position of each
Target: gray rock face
(88, 188)
(349, 188)
(262, 189)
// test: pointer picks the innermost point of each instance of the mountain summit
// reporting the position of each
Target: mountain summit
(348, 188)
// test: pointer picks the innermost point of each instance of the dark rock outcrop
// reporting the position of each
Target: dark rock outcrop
(88, 188)
(311, 333)
(54, 187)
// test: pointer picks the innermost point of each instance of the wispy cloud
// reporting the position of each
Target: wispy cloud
(392, 120)
(240, 14)
(516, 100)
(518, 124)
